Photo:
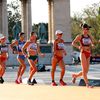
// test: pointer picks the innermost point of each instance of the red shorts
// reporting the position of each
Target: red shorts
(2, 59)
(58, 58)
(87, 54)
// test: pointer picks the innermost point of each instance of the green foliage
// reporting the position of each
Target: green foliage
(75, 25)
(13, 17)
(90, 15)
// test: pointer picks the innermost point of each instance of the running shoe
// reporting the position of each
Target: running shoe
(88, 85)
(1, 80)
(17, 82)
(53, 84)
(29, 82)
(20, 80)
(73, 79)
(34, 81)
(62, 83)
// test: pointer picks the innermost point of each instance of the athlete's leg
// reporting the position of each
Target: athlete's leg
(18, 72)
(3, 68)
(75, 76)
(54, 63)
(33, 68)
(22, 67)
(62, 66)
(88, 65)
(83, 58)
(2, 71)
(84, 64)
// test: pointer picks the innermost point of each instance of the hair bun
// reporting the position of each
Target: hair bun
(85, 26)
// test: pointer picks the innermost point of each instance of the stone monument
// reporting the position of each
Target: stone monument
(42, 33)
(59, 18)
(16, 29)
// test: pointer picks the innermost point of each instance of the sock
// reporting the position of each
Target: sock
(52, 80)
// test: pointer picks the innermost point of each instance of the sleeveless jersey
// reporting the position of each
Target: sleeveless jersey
(86, 41)
(3, 48)
(20, 45)
(59, 44)
(32, 46)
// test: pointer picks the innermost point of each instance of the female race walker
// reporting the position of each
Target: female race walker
(3, 56)
(84, 42)
(20, 57)
(59, 51)
(32, 48)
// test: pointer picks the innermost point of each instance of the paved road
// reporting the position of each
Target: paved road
(45, 77)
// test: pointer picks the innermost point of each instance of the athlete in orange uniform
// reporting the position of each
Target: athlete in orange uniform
(59, 51)
(85, 42)
(3, 56)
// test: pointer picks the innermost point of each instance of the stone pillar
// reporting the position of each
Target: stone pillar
(50, 24)
(26, 17)
(3, 18)
(59, 18)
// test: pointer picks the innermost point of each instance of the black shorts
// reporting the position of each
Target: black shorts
(33, 57)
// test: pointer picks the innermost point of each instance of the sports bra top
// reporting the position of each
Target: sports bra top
(3, 48)
(86, 41)
(32, 46)
(20, 45)
(60, 44)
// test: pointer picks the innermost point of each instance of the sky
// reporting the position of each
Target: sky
(40, 8)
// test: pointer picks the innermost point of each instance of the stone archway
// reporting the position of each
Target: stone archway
(59, 18)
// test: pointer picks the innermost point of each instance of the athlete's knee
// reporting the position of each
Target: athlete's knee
(63, 68)
(53, 69)
(24, 66)
(35, 69)
(84, 73)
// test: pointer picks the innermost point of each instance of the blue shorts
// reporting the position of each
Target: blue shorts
(21, 57)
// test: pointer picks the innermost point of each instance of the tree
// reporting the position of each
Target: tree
(13, 17)
(90, 15)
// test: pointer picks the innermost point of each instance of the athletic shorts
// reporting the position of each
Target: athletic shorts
(21, 57)
(58, 58)
(33, 57)
(2, 59)
(87, 54)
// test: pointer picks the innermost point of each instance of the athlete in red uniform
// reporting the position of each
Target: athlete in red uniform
(59, 51)
(3, 56)
(85, 41)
